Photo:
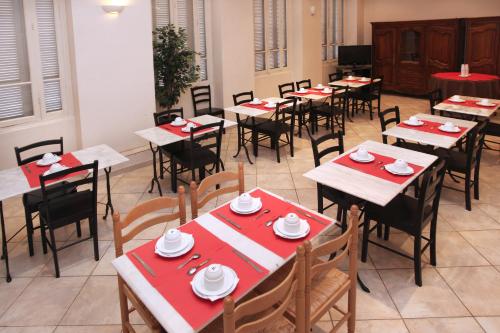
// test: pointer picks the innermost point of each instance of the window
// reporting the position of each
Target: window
(30, 73)
(332, 21)
(190, 15)
(270, 40)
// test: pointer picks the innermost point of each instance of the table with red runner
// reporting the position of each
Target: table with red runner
(433, 127)
(471, 103)
(32, 171)
(177, 130)
(175, 285)
(256, 230)
(260, 106)
(375, 168)
(311, 91)
(477, 85)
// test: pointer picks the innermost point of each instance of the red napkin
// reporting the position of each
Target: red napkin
(177, 130)
(472, 77)
(32, 171)
(433, 127)
(470, 103)
(374, 168)
(174, 284)
(258, 232)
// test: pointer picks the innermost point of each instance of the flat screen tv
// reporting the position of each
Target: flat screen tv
(355, 55)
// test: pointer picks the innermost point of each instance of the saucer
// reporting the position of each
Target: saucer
(409, 123)
(55, 159)
(455, 129)
(279, 229)
(187, 244)
(467, 75)
(230, 282)
(187, 129)
(255, 103)
(488, 104)
(178, 124)
(458, 100)
(301, 92)
(270, 106)
(364, 79)
(49, 172)
(354, 157)
(390, 167)
(256, 206)
(326, 92)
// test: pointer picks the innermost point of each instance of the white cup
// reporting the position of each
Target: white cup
(350, 77)
(455, 98)
(178, 120)
(449, 125)
(414, 120)
(326, 91)
(400, 165)
(213, 277)
(270, 105)
(256, 100)
(302, 90)
(48, 157)
(484, 101)
(319, 86)
(362, 152)
(245, 201)
(172, 239)
(190, 125)
(292, 223)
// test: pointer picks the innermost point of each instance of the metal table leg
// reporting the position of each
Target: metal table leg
(155, 172)
(109, 204)
(5, 255)
(241, 139)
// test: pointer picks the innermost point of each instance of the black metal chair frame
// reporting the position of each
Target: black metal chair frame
(303, 109)
(363, 98)
(161, 118)
(203, 95)
(435, 97)
(338, 107)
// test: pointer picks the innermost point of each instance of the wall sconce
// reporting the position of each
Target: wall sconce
(113, 9)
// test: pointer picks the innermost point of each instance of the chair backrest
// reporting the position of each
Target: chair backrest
(243, 97)
(337, 76)
(340, 98)
(167, 116)
(285, 112)
(286, 88)
(37, 146)
(387, 117)
(212, 140)
(201, 97)
(342, 246)
(214, 181)
(306, 84)
(430, 192)
(261, 311)
(375, 85)
(435, 97)
(71, 200)
(155, 205)
(334, 142)
(474, 144)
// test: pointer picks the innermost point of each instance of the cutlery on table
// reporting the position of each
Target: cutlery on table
(247, 260)
(193, 257)
(143, 263)
(228, 220)
(27, 168)
(193, 269)
(270, 222)
(265, 211)
(309, 216)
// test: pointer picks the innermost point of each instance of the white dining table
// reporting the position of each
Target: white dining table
(166, 314)
(13, 183)
(354, 83)
(468, 110)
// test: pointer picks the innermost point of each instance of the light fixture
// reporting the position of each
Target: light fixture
(113, 9)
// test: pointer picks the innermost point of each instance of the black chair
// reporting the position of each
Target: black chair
(303, 108)
(282, 122)
(166, 117)
(202, 102)
(333, 113)
(435, 97)
(306, 84)
(202, 150)
(365, 96)
(337, 76)
(410, 215)
(72, 207)
(32, 200)
(492, 129)
(465, 164)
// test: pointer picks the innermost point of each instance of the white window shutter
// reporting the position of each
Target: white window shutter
(15, 85)
(259, 35)
(202, 39)
(161, 13)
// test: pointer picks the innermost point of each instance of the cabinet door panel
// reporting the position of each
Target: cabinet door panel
(384, 54)
(410, 65)
(442, 42)
(482, 46)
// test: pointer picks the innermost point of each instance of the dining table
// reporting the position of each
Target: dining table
(355, 82)
(468, 107)
(158, 136)
(429, 133)
(247, 244)
(24, 179)
(474, 84)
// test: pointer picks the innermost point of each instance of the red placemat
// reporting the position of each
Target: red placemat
(470, 103)
(256, 230)
(312, 92)
(177, 130)
(32, 171)
(259, 106)
(174, 284)
(473, 76)
(356, 81)
(374, 168)
(433, 127)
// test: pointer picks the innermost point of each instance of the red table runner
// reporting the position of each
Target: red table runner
(177, 130)
(174, 284)
(260, 106)
(312, 91)
(374, 168)
(258, 232)
(473, 76)
(356, 81)
(32, 171)
(470, 103)
(433, 127)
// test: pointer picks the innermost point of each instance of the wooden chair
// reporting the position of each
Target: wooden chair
(151, 206)
(210, 181)
(265, 313)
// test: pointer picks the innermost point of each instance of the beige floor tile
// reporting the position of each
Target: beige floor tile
(492, 210)
(270, 166)
(302, 182)
(438, 325)
(378, 326)
(308, 198)
(300, 166)
(9, 292)
(271, 182)
(123, 203)
(34, 329)
(131, 183)
(433, 299)
(486, 242)
(461, 219)
(21, 264)
(477, 287)
(384, 259)
(490, 324)
(43, 302)
(104, 267)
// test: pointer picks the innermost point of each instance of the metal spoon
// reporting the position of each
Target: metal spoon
(270, 222)
(265, 211)
(193, 257)
(193, 269)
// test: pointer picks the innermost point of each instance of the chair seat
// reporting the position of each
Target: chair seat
(68, 209)
(33, 199)
(212, 111)
(416, 147)
(269, 127)
(175, 147)
(201, 157)
(455, 160)
(282, 325)
(249, 124)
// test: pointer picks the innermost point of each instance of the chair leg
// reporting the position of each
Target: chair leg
(78, 229)
(387, 231)
(370, 106)
(123, 306)
(468, 204)
(54, 251)
(173, 175)
(29, 231)
(43, 235)
(417, 259)
(161, 164)
(476, 183)
(366, 234)
(320, 202)
(380, 227)
(95, 237)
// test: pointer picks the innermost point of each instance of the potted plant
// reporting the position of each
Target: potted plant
(174, 65)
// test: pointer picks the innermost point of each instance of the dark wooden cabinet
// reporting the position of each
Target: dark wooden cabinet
(482, 44)
(384, 54)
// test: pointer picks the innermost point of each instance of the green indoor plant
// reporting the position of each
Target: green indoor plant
(174, 65)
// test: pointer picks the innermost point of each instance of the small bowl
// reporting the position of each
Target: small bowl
(47, 157)
(292, 223)
(245, 201)
(172, 239)
(449, 125)
(400, 165)
(256, 100)
(484, 101)
(362, 153)
(213, 277)
(319, 86)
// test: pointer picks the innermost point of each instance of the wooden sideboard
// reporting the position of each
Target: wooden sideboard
(407, 53)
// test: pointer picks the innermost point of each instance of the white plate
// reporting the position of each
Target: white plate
(272, 106)
(409, 170)
(179, 124)
(49, 172)
(187, 244)
(187, 129)
(455, 129)
(256, 103)
(464, 75)
(302, 92)
(279, 229)
(459, 100)
(230, 282)
(47, 163)
(326, 92)
(409, 123)
(364, 79)
(354, 157)
(489, 104)
(320, 87)
(256, 206)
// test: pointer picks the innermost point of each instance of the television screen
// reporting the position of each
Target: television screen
(355, 55)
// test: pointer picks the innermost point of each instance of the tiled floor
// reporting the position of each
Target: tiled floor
(461, 294)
